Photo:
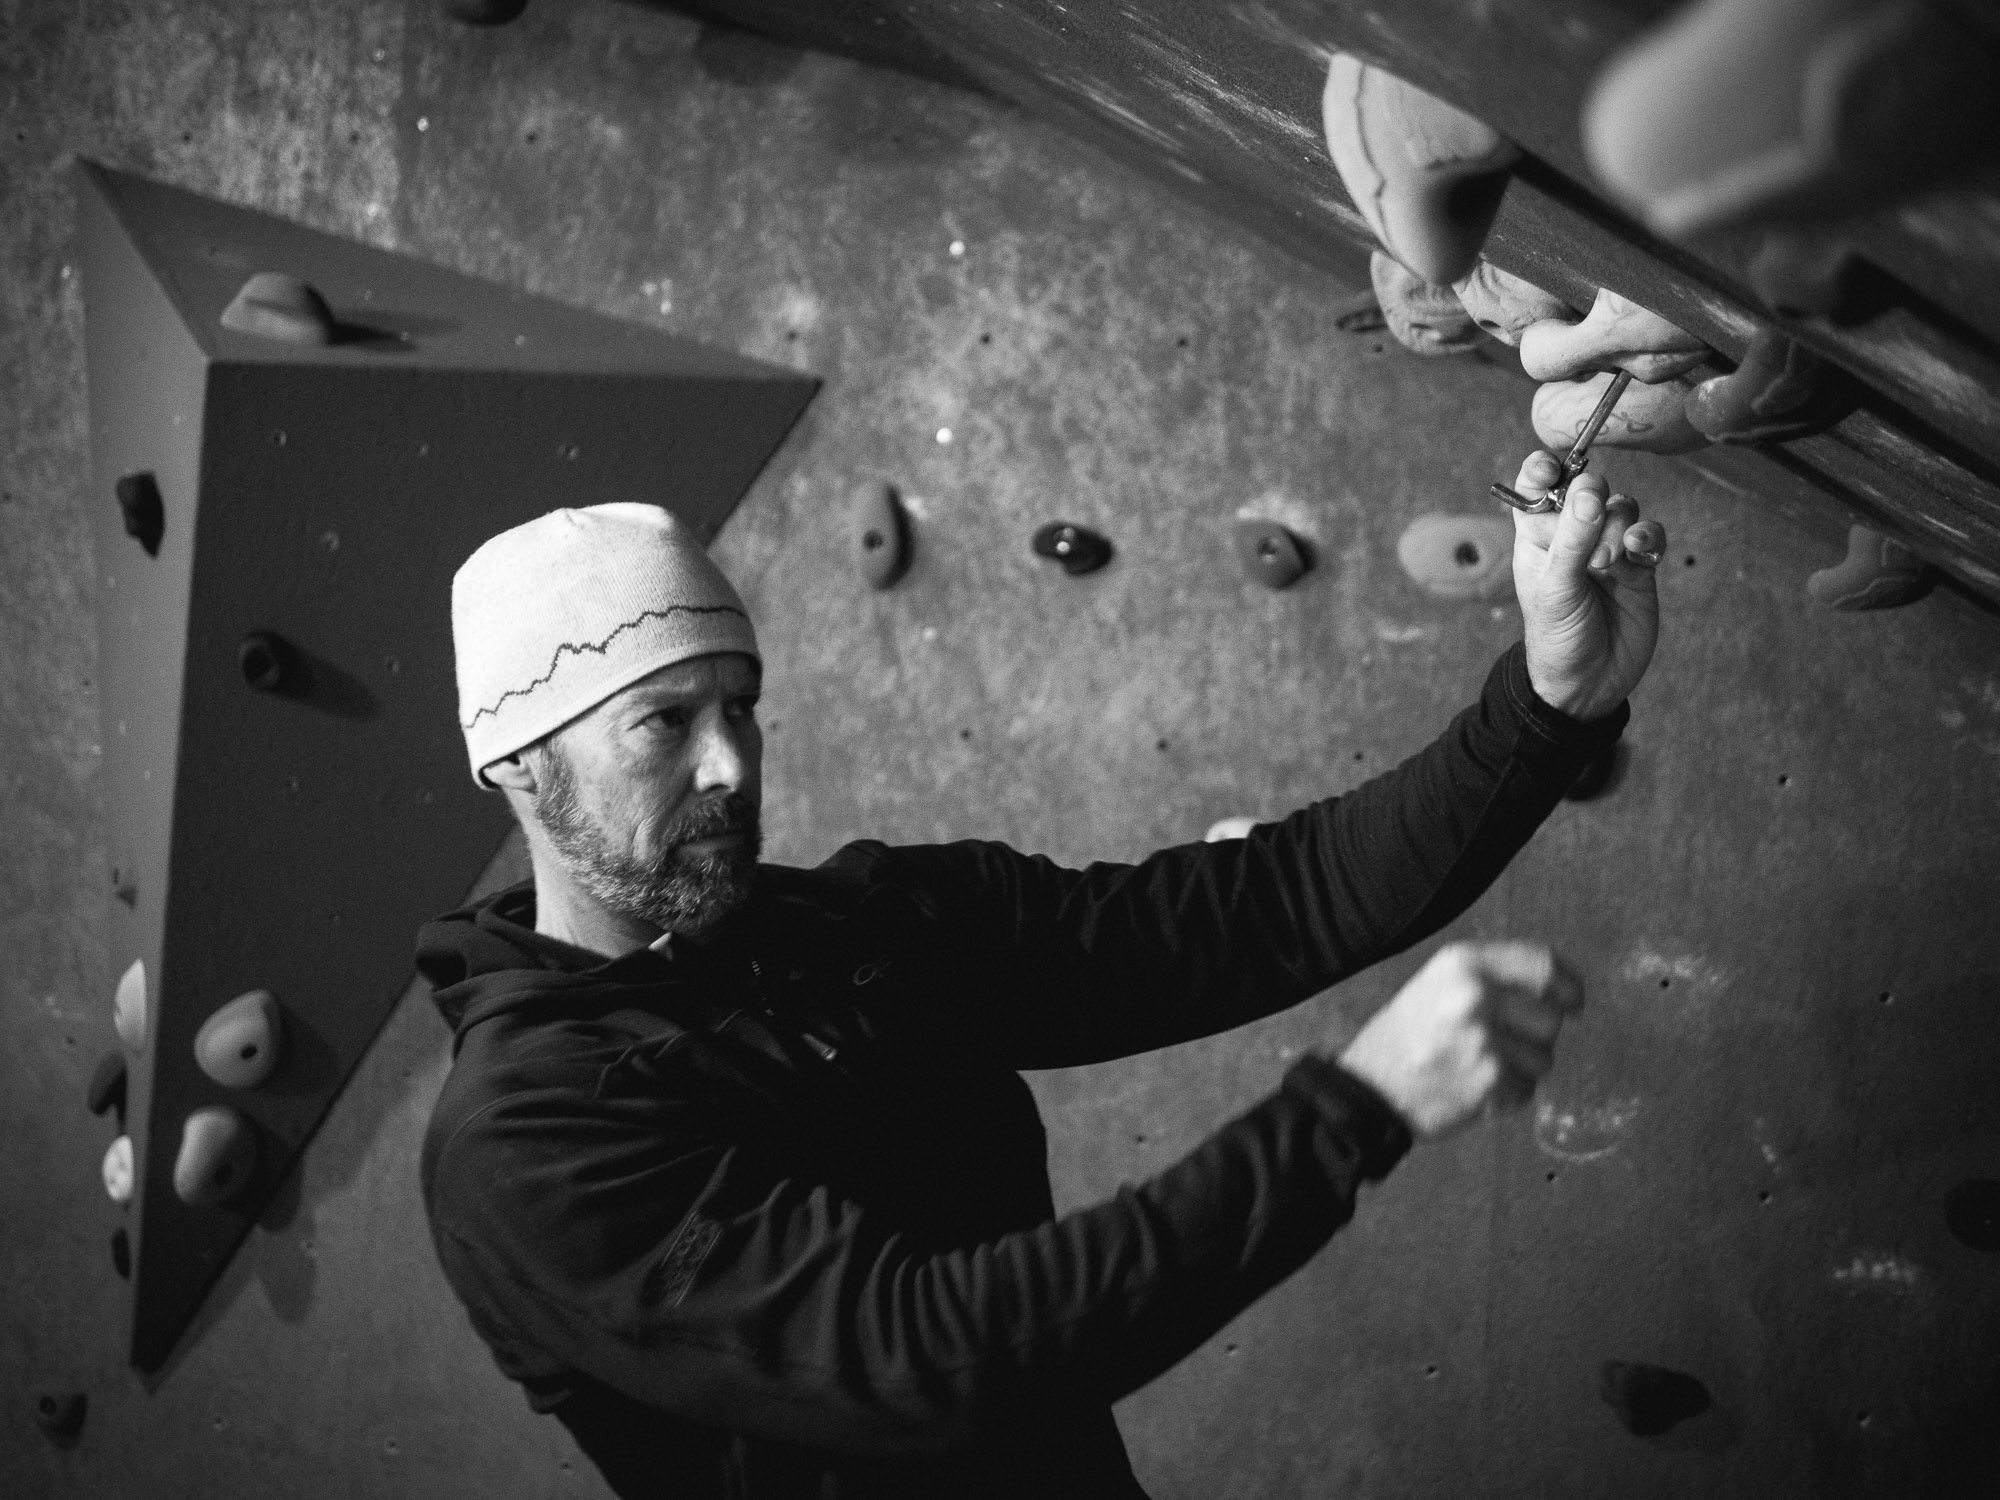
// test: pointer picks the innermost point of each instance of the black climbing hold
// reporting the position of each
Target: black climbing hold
(60, 1415)
(107, 1086)
(1650, 1399)
(269, 664)
(1270, 553)
(881, 535)
(144, 511)
(484, 12)
(121, 1252)
(1078, 549)
(1972, 1213)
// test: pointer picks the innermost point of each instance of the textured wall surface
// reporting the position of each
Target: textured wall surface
(1783, 907)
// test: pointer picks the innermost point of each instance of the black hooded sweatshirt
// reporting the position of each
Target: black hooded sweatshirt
(770, 1215)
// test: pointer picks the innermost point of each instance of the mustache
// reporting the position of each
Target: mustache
(731, 813)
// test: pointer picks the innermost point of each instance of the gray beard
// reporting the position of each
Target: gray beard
(680, 892)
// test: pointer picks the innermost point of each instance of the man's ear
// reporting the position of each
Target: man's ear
(511, 773)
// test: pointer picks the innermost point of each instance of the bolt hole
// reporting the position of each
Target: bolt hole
(1548, 1176)
(1885, 998)
(1465, 555)
(1763, 1195)
(965, 734)
(1864, 1419)
(1784, 781)
(985, 338)
(249, 1051)
(1430, 1372)
(1159, 744)
(1666, 983)
(872, 539)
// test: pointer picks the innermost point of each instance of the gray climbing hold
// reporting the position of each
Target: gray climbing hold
(1077, 548)
(1425, 317)
(60, 1415)
(143, 510)
(1878, 572)
(130, 1009)
(217, 1157)
(273, 305)
(1459, 557)
(1270, 553)
(1650, 1399)
(267, 662)
(118, 1171)
(239, 1045)
(880, 529)
(107, 1085)
(1772, 394)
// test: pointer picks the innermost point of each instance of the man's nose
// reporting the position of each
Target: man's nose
(723, 758)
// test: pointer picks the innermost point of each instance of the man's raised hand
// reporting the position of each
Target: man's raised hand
(1585, 578)
(1472, 1031)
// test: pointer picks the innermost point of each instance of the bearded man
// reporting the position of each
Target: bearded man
(734, 1169)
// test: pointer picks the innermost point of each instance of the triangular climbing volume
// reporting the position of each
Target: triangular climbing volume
(295, 440)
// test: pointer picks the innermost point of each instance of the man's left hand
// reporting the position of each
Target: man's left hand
(1585, 577)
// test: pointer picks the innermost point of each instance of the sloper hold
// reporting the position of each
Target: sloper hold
(107, 1086)
(1270, 553)
(60, 1415)
(1505, 305)
(1222, 830)
(1079, 549)
(1425, 317)
(1773, 394)
(1878, 572)
(1650, 1399)
(1427, 176)
(1972, 1213)
(880, 529)
(1459, 557)
(218, 1156)
(241, 1043)
(1652, 418)
(144, 512)
(275, 305)
(1616, 334)
(130, 1007)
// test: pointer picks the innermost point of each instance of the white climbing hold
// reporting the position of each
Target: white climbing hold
(1459, 557)
(131, 1015)
(118, 1174)
(1224, 829)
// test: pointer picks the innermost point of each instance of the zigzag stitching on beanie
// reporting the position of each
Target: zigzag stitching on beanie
(600, 648)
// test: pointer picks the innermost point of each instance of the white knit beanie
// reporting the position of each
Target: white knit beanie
(553, 617)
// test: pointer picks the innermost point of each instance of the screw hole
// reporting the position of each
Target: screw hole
(1885, 998)
(872, 539)
(1666, 983)
(1466, 555)
(1763, 1195)
(249, 1051)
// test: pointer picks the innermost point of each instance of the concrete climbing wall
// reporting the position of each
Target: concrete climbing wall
(1783, 904)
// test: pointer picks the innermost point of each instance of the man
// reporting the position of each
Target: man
(734, 1170)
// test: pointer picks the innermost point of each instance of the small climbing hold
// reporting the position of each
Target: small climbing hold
(1878, 572)
(1459, 557)
(217, 1156)
(1616, 334)
(124, 887)
(1270, 553)
(60, 1415)
(1224, 829)
(1425, 317)
(145, 512)
(1077, 548)
(118, 1175)
(1650, 1399)
(273, 305)
(1649, 417)
(1972, 1213)
(267, 662)
(1360, 313)
(121, 1251)
(130, 1013)
(1426, 176)
(881, 535)
(1505, 305)
(484, 12)
(1771, 395)
(239, 1044)
(107, 1085)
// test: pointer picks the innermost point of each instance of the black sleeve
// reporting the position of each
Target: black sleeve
(625, 1239)
(1059, 967)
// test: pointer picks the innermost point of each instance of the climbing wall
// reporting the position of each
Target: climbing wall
(1755, 1165)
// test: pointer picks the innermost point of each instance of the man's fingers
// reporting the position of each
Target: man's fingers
(1533, 967)
(1538, 473)
(1645, 543)
(1577, 529)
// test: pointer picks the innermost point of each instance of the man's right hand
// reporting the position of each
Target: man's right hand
(1472, 1032)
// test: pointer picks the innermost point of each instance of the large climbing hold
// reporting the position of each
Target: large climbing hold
(1616, 334)
(1878, 572)
(217, 1158)
(1269, 553)
(1505, 305)
(1459, 557)
(1652, 418)
(1426, 176)
(1425, 317)
(131, 1008)
(1773, 394)
(239, 1045)
(1079, 549)
(274, 305)
(1650, 1399)
(880, 531)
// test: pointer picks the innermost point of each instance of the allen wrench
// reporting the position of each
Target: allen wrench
(1573, 465)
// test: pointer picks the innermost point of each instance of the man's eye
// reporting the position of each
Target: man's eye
(674, 720)
(743, 708)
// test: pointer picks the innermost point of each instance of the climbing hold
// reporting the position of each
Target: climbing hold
(1078, 549)
(268, 662)
(238, 1046)
(107, 1085)
(60, 1415)
(118, 1170)
(1972, 1213)
(272, 305)
(881, 531)
(1616, 334)
(218, 1154)
(1878, 572)
(1649, 417)
(484, 12)
(1772, 394)
(121, 1251)
(1650, 1399)
(130, 1012)
(1459, 557)
(1270, 553)
(144, 511)
(1224, 829)
(124, 887)
(1505, 305)
(1426, 176)
(1802, 273)
(1360, 313)
(1425, 317)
